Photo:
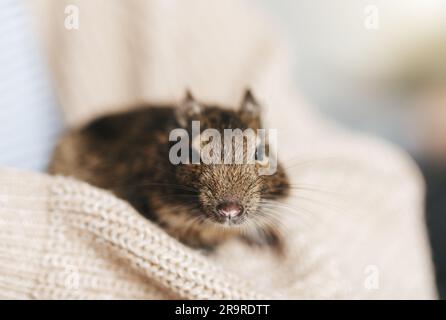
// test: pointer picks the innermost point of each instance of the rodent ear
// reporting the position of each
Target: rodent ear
(188, 108)
(250, 105)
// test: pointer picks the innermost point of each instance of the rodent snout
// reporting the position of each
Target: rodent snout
(230, 209)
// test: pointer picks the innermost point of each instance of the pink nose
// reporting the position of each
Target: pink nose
(230, 209)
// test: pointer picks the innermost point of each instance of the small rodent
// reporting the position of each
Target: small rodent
(200, 205)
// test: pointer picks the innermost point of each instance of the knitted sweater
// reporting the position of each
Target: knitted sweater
(62, 239)
(354, 225)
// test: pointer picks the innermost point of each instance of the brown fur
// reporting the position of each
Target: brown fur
(128, 153)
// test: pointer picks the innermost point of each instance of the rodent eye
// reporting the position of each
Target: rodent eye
(196, 143)
(195, 147)
(261, 157)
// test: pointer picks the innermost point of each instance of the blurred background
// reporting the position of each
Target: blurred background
(376, 66)
(379, 67)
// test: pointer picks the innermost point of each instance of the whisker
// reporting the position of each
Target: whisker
(305, 217)
(292, 164)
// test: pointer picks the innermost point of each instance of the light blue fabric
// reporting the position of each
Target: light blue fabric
(29, 120)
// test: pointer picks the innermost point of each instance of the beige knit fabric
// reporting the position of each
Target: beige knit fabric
(64, 239)
(354, 224)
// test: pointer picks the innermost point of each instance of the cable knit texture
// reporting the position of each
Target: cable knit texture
(353, 225)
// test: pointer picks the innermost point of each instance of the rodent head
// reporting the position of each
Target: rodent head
(228, 194)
